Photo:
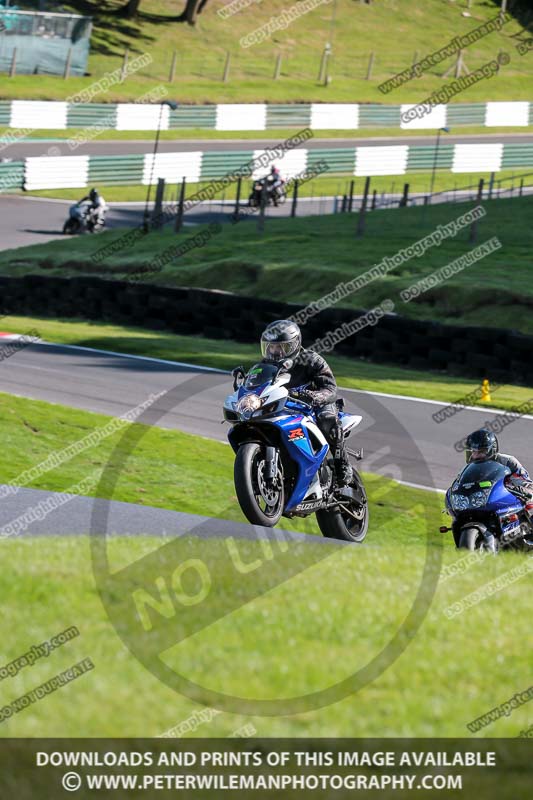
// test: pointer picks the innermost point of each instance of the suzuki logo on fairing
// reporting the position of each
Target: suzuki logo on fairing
(309, 506)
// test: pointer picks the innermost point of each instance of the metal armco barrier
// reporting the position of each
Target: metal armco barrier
(262, 116)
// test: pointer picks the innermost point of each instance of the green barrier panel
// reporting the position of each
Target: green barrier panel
(288, 116)
(466, 114)
(517, 155)
(216, 165)
(372, 115)
(44, 42)
(193, 117)
(422, 157)
(116, 170)
(340, 160)
(5, 112)
(11, 176)
(86, 115)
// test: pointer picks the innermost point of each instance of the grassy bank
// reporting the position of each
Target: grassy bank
(335, 185)
(303, 259)
(308, 632)
(393, 31)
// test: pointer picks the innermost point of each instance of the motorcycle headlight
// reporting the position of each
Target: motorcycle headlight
(248, 404)
(459, 502)
(479, 499)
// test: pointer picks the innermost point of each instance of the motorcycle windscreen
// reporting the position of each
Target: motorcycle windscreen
(484, 471)
(260, 374)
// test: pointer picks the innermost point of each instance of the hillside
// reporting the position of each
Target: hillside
(393, 30)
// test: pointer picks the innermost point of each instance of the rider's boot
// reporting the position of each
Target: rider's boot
(343, 468)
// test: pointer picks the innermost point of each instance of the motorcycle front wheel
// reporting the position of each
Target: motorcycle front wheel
(261, 504)
(470, 539)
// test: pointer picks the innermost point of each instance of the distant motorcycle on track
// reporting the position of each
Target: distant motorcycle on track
(274, 195)
(83, 219)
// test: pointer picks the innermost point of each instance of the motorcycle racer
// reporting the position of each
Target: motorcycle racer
(482, 445)
(98, 205)
(281, 340)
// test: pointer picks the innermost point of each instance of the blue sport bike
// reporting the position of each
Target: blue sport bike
(283, 464)
(486, 514)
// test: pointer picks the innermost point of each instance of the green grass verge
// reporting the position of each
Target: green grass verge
(303, 259)
(310, 631)
(419, 182)
(198, 135)
(392, 31)
(351, 373)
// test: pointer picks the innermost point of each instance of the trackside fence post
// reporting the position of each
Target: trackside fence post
(473, 227)
(294, 199)
(181, 203)
(158, 205)
(362, 211)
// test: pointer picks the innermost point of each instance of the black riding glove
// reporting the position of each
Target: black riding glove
(304, 396)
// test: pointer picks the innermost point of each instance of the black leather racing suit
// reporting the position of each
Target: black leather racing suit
(313, 372)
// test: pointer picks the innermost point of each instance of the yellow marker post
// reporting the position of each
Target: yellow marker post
(485, 392)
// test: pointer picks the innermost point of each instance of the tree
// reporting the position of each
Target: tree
(189, 14)
(130, 10)
(191, 11)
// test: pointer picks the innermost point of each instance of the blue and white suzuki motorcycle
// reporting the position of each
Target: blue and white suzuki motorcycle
(486, 514)
(283, 464)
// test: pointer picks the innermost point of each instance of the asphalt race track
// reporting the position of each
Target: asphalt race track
(113, 384)
(59, 147)
(31, 220)
(127, 519)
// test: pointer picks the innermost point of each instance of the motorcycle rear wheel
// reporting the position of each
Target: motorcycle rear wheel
(71, 227)
(342, 525)
(261, 505)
